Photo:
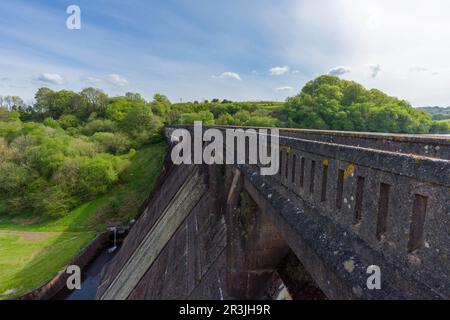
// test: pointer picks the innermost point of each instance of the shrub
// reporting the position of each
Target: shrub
(52, 123)
(69, 121)
(117, 143)
(13, 178)
(99, 125)
(96, 176)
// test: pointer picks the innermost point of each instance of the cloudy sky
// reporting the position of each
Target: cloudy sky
(234, 49)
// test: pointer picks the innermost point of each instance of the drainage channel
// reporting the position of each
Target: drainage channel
(91, 277)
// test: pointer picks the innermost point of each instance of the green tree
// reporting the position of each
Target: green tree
(118, 107)
(261, 121)
(206, 117)
(13, 178)
(160, 105)
(99, 125)
(50, 122)
(332, 103)
(95, 99)
(225, 119)
(112, 143)
(96, 176)
(69, 121)
(139, 118)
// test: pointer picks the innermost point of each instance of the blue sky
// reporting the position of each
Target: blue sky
(239, 50)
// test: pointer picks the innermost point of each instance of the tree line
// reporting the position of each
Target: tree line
(68, 147)
(329, 102)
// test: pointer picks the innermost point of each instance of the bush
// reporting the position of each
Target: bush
(329, 102)
(84, 147)
(225, 119)
(69, 121)
(117, 143)
(49, 166)
(206, 117)
(261, 121)
(45, 158)
(99, 125)
(54, 201)
(13, 178)
(68, 175)
(5, 151)
(140, 118)
(10, 129)
(96, 176)
(52, 123)
(440, 127)
(241, 117)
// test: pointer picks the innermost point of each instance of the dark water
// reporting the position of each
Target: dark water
(90, 279)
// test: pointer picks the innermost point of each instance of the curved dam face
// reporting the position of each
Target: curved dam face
(155, 260)
(339, 206)
(178, 248)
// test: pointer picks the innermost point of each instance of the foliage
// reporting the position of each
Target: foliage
(437, 113)
(441, 126)
(74, 149)
(332, 103)
(69, 147)
(33, 247)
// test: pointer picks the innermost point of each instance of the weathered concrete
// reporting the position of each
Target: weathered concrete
(156, 239)
(255, 247)
(425, 145)
(341, 202)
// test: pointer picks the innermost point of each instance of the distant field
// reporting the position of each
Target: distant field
(32, 249)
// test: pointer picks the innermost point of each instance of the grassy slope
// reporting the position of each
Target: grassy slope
(27, 261)
(25, 264)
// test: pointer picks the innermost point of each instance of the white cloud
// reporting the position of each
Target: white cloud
(117, 80)
(52, 78)
(295, 71)
(397, 35)
(277, 71)
(91, 80)
(231, 75)
(376, 69)
(339, 71)
(287, 88)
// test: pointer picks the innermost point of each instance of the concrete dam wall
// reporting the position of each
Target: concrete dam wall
(177, 248)
(340, 203)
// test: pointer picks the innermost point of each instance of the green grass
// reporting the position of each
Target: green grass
(34, 248)
(27, 263)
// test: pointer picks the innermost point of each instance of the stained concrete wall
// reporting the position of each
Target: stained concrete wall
(340, 202)
(192, 255)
